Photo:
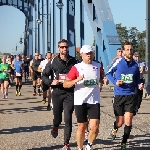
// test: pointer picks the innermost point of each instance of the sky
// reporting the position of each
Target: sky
(12, 21)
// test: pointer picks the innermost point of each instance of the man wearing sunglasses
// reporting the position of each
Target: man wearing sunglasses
(36, 76)
(54, 75)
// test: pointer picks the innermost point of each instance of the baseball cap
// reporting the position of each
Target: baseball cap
(119, 49)
(18, 54)
(86, 49)
(136, 54)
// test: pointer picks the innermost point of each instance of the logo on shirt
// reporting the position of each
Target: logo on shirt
(95, 68)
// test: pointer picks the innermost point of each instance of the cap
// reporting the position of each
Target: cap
(119, 49)
(136, 54)
(86, 49)
(18, 54)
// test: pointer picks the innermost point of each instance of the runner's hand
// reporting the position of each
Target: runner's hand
(141, 86)
(79, 78)
(55, 82)
(119, 82)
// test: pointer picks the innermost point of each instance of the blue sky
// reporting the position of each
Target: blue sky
(12, 22)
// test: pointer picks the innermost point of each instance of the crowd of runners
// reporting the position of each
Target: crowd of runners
(71, 85)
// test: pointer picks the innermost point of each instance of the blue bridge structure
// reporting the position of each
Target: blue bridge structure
(41, 20)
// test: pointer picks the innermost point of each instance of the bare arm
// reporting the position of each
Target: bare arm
(69, 83)
(39, 69)
(12, 65)
(30, 67)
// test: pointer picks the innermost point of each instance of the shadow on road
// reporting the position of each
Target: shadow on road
(23, 110)
(28, 129)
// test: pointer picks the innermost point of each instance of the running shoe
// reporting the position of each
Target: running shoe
(44, 100)
(89, 147)
(123, 146)
(19, 93)
(54, 132)
(66, 147)
(113, 133)
(49, 107)
(16, 93)
(34, 94)
(6, 95)
(3, 96)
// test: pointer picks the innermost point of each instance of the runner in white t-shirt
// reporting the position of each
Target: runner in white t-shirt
(86, 77)
(45, 88)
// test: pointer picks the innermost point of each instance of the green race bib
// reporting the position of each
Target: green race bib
(91, 82)
(127, 78)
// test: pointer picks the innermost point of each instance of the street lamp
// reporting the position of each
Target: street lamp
(60, 6)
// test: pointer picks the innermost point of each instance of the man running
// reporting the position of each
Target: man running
(62, 98)
(119, 54)
(36, 76)
(17, 65)
(4, 77)
(45, 87)
(127, 76)
(86, 76)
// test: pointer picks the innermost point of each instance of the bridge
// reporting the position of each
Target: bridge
(40, 26)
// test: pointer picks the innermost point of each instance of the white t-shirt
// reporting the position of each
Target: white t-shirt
(43, 64)
(86, 90)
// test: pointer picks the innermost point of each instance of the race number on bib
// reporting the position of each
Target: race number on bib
(18, 74)
(62, 77)
(127, 78)
(91, 82)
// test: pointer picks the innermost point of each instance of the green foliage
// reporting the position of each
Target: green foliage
(133, 35)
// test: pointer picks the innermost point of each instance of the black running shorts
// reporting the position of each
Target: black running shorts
(124, 103)
(84, 111)
(36, 75)
(2, 80)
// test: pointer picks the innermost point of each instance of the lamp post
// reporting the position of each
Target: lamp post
(147, 54)
(60, 5)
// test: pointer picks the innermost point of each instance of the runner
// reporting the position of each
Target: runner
(86, 76)
(17, 65)
(45, 87)
(11, 73)
(143, 70)
(26, 68)
(4, 77)
(62, 98)
(127, 75)
(36, 76)
(119, 54)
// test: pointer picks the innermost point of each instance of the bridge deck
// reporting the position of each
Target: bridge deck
(25, 125)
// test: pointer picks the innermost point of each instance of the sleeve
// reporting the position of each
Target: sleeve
(145, 67)
(47, 72)
(137, 77)
(111, 71)
(73, 73)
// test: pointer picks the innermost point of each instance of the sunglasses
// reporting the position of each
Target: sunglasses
(36, 55)
(63, 47)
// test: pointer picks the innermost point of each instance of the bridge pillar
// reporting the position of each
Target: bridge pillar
(71, 26)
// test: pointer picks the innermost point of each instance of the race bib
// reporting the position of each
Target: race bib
(91, 82)
(127, 78)
(61, 77)
(18, 74)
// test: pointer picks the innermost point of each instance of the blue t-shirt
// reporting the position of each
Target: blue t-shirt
(17, 65)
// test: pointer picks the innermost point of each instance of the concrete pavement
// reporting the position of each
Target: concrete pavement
(25, 124)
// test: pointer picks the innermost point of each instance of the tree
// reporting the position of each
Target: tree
(123, 33)
(133, 35)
